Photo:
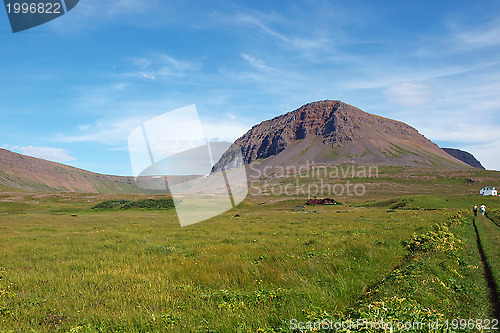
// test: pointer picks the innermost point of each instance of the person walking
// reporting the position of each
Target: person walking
(483, 209)
(475, 210)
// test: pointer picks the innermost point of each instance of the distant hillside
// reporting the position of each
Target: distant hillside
(465, 157)
(333, 132)
(29, 173)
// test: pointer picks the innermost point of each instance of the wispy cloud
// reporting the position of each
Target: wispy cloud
(472, 37)
(9, 147)
(93, 98)
(115, 132)
(281, 29)
(147, 76)
(158, 65)
(256, 63)
(262, 21)
(48, 153)
(409, 94)
(224, 130)
(111, 132)
(464, 132)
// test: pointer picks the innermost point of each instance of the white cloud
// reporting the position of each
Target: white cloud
(487, 35)
(48, 153)
(147, 76)
(409, 94)
(224, 130)
(116, 132)
(476, 134)
(157, 65)
(257, 63)
(261, 20)
(106, 131)
(92, 98)
(120, 86)
(9, 147)
(309, 43)
(473, 133)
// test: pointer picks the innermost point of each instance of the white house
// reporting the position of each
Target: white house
(489, 191)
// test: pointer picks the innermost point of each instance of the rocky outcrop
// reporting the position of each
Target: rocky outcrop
(465, 157)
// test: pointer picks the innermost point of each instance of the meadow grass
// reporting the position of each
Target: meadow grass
(443, 273)
(130, 270)
(494, 216)
(65, 267)
(490, 239)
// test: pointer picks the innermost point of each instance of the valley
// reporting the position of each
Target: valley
(260, 267)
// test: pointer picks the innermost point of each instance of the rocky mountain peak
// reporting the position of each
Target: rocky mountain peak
(337, 133)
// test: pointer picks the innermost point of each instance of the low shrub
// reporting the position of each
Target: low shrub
(150, 204)
(144, 204)
(440, 240)
(110, 204)
(386, 315)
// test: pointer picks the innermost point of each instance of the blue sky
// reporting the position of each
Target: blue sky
(73, 89)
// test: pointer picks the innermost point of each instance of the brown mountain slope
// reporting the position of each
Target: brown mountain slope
(332, 132)
(29, 173)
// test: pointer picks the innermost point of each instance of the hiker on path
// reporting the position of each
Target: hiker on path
(475, 210)
(483, 209)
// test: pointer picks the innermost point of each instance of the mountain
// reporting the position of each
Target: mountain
(324, 132)
(29, 173)
(465, 157)
(333, 132)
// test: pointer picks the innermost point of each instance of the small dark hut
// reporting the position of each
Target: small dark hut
(326, 201)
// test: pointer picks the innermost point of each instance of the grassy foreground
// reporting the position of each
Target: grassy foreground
(65, 267)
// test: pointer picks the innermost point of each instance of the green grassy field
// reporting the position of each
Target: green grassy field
(65, 267)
